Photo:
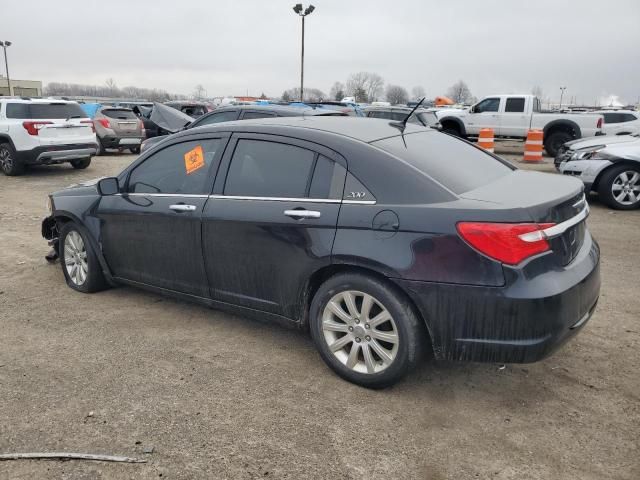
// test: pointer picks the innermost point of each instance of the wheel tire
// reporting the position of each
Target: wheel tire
(409, 332)
(101, 149)
(9, 163)
(613, 178)
(135, 150)
(81, 164)
(451, 130)
(554, 142)
(71, 250)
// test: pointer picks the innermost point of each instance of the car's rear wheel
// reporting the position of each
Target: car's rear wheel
(9, 163)
(365, 330)
(80, 264)
(81, 164)
(619, 187)
(135, 150)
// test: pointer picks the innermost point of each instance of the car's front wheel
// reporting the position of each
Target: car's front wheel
(619, 187)
(365, 330)
(80, 264)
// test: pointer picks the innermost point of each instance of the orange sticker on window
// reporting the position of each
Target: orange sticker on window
(194, 159)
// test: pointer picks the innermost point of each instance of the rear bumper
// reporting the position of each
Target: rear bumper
(522, 322)
(50, 154)
(114, 141)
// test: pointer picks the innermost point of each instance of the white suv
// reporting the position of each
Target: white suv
(620, 122)
(44, 132)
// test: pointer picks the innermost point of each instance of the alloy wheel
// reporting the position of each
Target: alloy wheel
(626, 187)
(6, 162)
(360, 332)
(75, 258)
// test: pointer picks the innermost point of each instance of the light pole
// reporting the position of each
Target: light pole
(300, 10)
(4, 46)
(562, 89)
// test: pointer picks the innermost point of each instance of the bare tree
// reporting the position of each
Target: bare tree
(310, 94)
(397, 94)
(111, 85)
(285, 96)
(337, 91)
(459, 92)
(418, 92)
(537, 92)
(199, 92)
(263, 96)
(356, 86)
(373, 86)
(365, 86)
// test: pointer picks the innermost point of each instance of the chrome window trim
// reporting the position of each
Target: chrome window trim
(242, 197)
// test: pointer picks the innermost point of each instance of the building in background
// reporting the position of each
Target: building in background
(21, 88)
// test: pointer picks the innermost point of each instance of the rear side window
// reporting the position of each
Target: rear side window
(250, 115)
(44, 111)
(183, 168)
(514, 105)
(328, 179)
(628, 117)
(119, 113)
(457, 165)
(218, 117)
(611, 117)
(269, 169)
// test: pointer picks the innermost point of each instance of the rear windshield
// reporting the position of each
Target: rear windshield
(120, 113)
(42, 111)
(458, 166)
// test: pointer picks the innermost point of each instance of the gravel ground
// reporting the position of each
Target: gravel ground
(220, 396)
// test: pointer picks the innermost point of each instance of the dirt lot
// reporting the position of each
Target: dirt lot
(219, 396)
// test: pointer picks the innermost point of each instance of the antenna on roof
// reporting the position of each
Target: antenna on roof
(403, 124)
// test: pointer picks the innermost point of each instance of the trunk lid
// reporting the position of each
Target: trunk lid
(546, 198)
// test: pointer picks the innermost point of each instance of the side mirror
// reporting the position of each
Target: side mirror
(108, 186)
(472, 109)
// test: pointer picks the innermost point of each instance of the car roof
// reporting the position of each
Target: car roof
(359, 128)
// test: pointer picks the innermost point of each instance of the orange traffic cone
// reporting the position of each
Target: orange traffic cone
(533, 146)
(485, 140)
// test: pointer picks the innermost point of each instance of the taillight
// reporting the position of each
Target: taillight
(104, 122)
(509, 243)
(89, 122)
(32, 128)
(599, 124)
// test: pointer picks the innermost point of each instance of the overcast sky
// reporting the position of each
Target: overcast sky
(590, 46)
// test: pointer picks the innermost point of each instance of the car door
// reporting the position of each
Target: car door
(271, 221)
(514, 121)
(151, 231)
(484, 115)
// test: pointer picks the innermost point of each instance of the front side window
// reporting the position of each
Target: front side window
(183, 168)
(487, 105)
(514, 105)
(269, 169)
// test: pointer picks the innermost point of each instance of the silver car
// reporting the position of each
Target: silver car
(118, 127)
(611, 169)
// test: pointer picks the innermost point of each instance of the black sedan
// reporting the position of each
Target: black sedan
(385, 241)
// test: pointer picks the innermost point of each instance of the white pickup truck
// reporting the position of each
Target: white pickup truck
(511, 116)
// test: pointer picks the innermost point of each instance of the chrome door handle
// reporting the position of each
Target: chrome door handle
(300, 214)
(180, 207)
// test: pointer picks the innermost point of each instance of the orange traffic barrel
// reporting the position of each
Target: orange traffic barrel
(485, 140)
(533, 146)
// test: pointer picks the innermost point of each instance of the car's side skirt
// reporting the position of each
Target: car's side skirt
(217, 305)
